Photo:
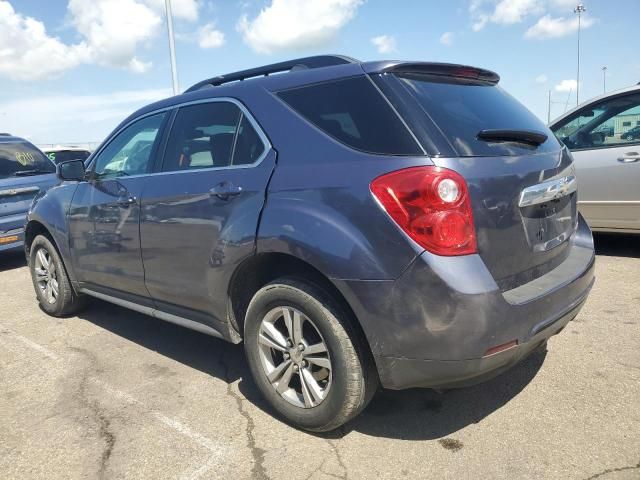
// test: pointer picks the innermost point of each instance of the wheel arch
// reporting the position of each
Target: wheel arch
(262, 268)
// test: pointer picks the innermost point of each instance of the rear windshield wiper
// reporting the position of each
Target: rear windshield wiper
(35, 171)
(529, 137)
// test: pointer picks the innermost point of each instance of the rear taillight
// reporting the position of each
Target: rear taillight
(432, 206)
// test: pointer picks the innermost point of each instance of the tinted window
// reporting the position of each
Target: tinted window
(211, 135)
(461, 109)
(18, 159)
(609, 123)
(129, 153)
(355, 113)
(66, 155)
(249, 146)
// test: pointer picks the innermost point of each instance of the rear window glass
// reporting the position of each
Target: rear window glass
(460, 110)
(21, 159)
(355, 113)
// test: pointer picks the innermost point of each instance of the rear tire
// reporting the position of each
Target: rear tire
(324, 377)
(50, 280)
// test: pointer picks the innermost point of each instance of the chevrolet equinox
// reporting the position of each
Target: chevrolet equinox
(354, 224)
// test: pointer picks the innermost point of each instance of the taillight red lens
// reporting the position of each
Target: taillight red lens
(436, 215)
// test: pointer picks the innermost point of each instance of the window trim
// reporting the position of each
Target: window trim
(163, 140)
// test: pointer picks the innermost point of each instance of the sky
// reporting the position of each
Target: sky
(71, 70)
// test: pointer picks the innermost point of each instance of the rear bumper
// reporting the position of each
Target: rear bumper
(400, 373)
(433, 326)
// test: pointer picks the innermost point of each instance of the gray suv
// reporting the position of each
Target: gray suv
(354, 224)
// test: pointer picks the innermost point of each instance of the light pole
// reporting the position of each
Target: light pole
(172, 47)
(604, 79)
(579, 10)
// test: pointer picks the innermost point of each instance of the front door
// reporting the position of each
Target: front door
(200, 214)
(605, 141)
(105, 212)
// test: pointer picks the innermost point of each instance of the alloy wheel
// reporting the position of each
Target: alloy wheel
(46, 275)
(294, 357)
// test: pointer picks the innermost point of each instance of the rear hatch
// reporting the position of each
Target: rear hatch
(24, 172)
(520, 178)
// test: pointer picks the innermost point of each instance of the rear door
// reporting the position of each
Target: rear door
(200, 213)
(104, 218)
(605, 141)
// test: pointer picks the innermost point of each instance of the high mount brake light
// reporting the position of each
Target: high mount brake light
(432, 206)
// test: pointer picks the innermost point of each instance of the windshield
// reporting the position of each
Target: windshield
(461, 109)
(17, 159)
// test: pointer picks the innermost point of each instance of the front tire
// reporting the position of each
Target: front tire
(50, 280)
(305, 357)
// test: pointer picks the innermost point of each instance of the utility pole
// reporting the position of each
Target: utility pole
(604, 79)
(580, 9)
(172, 48)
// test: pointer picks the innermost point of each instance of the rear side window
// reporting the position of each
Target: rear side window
(21, 159)
(353, 112)
(461, 109)
(211, 135)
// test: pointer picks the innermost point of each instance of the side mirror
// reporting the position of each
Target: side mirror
(71, 170)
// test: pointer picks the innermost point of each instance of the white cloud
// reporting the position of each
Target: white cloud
(292, 24)
(446, 38)
(28, 52)
(504, 12)
(384, 43)
(508, 12)
(566, 86)
(111, 33)
(548, 27)
(210, 37)
(542, 78)
(74, 118)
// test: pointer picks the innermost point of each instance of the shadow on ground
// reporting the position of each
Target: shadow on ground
(11, 259)
(409, 414)
(617, 245)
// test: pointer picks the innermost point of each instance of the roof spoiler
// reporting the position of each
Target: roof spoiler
(442, 69)
(266, 70)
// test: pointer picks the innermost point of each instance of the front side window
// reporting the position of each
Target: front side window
(22, 159)
(353, 112)
(129, 153)
(609, 123)
(211, 135)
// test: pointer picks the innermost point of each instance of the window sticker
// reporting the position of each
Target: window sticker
(24, 158)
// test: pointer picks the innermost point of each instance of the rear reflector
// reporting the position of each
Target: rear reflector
(500, 348)
(10, 239)
(431, 205)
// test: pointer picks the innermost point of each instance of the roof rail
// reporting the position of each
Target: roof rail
(296, 64)
(4, 134)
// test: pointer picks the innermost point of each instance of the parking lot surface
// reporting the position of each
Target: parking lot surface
(115, 394)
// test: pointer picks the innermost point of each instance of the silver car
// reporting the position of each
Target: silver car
(601, 135)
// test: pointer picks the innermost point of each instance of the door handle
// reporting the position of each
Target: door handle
(127, 201)
(629, 157)
(224, 190)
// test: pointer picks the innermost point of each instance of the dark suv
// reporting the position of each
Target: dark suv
(24, 173)
(354, 224)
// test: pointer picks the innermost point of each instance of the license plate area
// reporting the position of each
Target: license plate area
(549, 224)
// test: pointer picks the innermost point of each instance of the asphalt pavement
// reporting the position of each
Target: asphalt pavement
(115, 394)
